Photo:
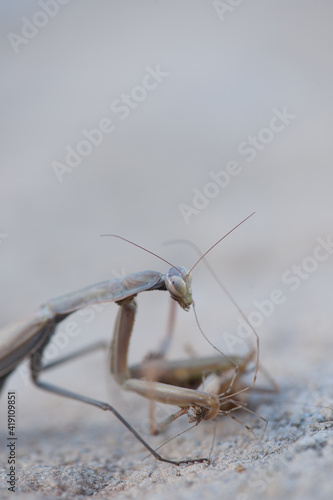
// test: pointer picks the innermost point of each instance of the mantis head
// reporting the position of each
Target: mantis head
(178, 282)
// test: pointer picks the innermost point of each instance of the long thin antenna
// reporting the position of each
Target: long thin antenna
(179, 434)
(238, 308)
(216, 348)
(145, 249)
(211, 248)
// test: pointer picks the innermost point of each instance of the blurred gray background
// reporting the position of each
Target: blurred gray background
(226, 69)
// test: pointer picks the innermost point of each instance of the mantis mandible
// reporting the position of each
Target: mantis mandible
(28, 338)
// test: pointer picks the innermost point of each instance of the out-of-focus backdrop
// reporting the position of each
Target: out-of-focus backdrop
(157, 121)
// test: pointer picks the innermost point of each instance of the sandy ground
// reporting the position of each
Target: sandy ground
(227, 114)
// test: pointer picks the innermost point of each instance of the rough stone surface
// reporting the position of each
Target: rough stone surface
(293, 459)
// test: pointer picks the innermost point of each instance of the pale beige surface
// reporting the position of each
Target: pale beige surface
(224, 80)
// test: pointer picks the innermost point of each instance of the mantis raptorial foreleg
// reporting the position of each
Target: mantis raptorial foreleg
(175, 382)
(186, 399)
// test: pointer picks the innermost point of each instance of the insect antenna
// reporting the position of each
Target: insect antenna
(145, 249)
(241, 312)
(233, 301)
(219, 241)
(242, 406)
(177, 435)
(217, 349)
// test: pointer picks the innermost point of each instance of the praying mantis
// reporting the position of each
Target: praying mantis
(177, 383)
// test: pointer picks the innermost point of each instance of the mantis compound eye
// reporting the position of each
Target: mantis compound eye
(177, 286)
(175, 282)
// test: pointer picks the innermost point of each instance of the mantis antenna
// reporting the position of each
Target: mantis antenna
(166, 261)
